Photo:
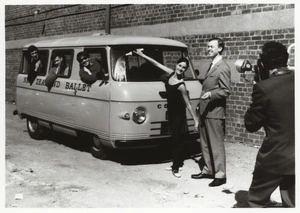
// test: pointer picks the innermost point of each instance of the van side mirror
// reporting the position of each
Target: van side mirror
(197, 72)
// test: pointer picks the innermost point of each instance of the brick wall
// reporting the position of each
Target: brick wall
(13, 57)
(65, 19)
(56, 20)
(239, 45)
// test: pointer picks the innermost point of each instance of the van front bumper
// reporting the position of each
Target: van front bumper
(152, 142)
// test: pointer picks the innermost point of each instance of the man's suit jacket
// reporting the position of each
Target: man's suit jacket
(273, 108)
(217, 81)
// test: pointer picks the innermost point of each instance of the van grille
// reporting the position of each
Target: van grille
(162, 128)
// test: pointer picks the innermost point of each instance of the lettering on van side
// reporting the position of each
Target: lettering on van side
(78, 87)
(69, 85)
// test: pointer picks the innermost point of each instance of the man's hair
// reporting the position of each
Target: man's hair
(81, 54)
(274, 55)
(32, 48)
(220, 42)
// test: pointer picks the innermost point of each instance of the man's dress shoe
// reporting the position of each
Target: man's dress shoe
(217, 182)
(202, 176)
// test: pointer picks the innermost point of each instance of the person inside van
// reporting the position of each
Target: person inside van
(149, 71)
(178, 101)
(90, 68)
(35, 64)
(59, 68)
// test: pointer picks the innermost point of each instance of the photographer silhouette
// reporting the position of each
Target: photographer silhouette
(273, 108)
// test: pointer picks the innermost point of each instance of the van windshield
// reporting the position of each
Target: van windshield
(128, 66)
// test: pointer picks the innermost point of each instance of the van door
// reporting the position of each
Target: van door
(30, 96)
(92, 101)
(59, 99)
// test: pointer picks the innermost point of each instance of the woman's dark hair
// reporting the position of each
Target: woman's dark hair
(182, 59)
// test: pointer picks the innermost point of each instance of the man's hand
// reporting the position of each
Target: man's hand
(206, 96)
(37, 65)
(87, 70)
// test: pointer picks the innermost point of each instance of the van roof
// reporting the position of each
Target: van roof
(106, 40)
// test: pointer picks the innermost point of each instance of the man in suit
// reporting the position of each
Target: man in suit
(273, 108)
(215, 90)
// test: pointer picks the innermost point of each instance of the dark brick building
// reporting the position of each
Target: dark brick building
(244, 27)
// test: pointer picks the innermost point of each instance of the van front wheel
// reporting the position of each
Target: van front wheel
(34, 129)
(97, 149)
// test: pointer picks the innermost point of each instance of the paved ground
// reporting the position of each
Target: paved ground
(59, 172)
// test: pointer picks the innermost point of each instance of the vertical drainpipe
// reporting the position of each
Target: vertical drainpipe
(107, 19)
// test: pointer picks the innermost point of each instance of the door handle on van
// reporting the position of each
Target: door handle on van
(75, 91)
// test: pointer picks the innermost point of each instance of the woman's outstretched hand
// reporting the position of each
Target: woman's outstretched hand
(139, 51)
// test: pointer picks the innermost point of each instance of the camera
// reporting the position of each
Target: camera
(272, 56)
(260, 73)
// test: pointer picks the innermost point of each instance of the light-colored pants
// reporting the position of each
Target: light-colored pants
(212, 147)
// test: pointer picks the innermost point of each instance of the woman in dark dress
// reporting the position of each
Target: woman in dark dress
(178, 101)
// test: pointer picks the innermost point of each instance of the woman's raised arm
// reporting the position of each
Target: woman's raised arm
(154, 62)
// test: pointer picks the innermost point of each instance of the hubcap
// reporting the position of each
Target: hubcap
(96, 143)
(32, 126)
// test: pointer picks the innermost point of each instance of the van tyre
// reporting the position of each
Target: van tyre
(35, 130)
(97, 149)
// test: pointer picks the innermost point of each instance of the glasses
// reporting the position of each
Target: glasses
(56, 61)
(82, 60)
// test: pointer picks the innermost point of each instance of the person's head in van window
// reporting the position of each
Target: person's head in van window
(33, 53)
(90, 69)
(58, 69)
(35, 64)
(59, 63)
(83, 59)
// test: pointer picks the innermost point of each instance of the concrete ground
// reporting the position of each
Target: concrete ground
(58, 172)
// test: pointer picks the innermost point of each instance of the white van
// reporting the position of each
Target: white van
(114, 112)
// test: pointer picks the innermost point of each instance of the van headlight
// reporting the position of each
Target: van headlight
(139, 115)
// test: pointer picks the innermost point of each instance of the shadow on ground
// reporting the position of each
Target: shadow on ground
(241, 198)
(161, 154)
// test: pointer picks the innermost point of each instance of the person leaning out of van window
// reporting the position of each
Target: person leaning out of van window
(90, 69)
(35, 64)
(59, 68)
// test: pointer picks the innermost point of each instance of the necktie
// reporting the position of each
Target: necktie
(208, 69)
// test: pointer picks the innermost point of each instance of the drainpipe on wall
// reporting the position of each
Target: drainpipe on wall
(107, 20)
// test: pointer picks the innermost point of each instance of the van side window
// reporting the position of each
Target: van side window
(99, 54)
(61, 62)
(24, 69)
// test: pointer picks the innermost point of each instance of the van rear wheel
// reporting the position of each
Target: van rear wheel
(97, 149)
(35, 130)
